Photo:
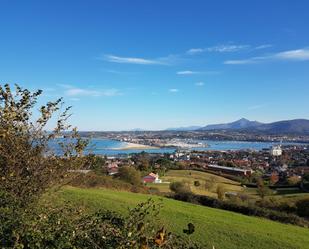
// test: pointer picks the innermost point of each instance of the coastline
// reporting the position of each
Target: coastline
(133, 146)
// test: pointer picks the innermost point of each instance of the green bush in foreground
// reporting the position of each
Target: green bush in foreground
(50, 226)
(28, 169)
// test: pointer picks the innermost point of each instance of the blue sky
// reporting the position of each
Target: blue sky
(159, 64)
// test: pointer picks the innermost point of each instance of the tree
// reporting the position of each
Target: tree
(305, 178)
(197, 183)
(130, 175)
(293, 180)
(220, 192)
(262, 189)
(302, 207)
(180, 187)
(97, 164)
(28, 165)
(274, 178)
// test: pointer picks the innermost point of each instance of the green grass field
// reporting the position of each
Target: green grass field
(190, 176)
(223, 229)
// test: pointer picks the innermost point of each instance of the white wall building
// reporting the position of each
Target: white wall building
(276, 150)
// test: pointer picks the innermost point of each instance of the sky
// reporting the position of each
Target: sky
(158, 64)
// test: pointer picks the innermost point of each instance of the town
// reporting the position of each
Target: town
(281, 165)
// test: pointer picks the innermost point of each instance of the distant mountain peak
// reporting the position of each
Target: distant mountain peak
(186, 128)
(296, 126)
(244, 119)
(242, 123)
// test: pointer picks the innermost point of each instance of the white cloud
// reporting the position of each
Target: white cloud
(173, 90)
(75, 92)
(187, 72)
(219, 48)
(290, 55)
(298, 55)
(199, 83)
(263, 46)
(195, 50)
(131, 60)
(246, 61)
(227, 48)
(81, 92)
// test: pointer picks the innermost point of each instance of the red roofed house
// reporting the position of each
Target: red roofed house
(152, 178)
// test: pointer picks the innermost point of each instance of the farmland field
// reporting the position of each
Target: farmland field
(190, 176)
(214, 227)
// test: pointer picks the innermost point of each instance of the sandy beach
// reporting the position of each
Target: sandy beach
(133, 146)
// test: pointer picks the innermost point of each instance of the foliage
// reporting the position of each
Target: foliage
(197, 183)
(220, 192)
(293, 180)
(27, 165)
(97, 164)
(242, 208)
(130, 175)
(65, 226)
(302, 207)
(213, 227)
(28, 168)
(94, 180)
(180, 187)
(262, 189)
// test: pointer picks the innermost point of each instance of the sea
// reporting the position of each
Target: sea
(112, 147)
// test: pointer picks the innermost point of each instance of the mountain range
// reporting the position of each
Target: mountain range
(295, 126)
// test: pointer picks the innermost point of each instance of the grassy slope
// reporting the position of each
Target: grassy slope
(191, 175)
(223, 229)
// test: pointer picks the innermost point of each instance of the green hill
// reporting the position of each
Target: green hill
(214, 227)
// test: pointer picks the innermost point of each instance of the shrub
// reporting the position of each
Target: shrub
(28, 168)
(220, 192)
(197, 183)
(50, 226)
(93, 180)
(302, 208)
(130, 175)
(180, 187)
(293, 180)
(262, 189)
(243, 209)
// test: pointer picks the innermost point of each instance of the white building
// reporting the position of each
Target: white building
(276, 150)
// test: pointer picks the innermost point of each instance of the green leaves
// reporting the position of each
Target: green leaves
(25, 169)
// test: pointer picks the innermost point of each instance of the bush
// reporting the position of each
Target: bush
(243, 209)
(130, 175)
(28, 168)
(93, 180)
(180, 187)
(220, 192)
(197, 183)
(50, 226)
(302, 208)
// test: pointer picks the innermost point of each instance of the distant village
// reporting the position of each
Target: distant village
(278, 164)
